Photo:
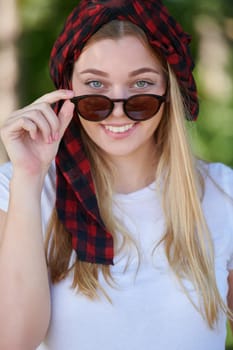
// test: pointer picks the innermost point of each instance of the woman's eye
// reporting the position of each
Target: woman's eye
(142, 84)
(95, 84)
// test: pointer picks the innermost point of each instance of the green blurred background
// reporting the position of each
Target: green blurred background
(211, 24)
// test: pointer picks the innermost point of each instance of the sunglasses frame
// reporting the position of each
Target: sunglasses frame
(159, 98)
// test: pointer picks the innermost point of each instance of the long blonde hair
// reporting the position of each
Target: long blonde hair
(187, 240)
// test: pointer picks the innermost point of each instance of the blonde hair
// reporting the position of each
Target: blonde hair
(187, 241)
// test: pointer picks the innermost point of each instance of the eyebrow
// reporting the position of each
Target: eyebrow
(131, 74)
(143, 70)
(95, 71)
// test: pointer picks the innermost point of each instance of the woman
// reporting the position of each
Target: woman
(139, 241)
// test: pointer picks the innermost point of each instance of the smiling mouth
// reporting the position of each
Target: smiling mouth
(119, 129)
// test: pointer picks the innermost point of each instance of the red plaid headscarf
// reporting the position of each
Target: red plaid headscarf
(76, 201)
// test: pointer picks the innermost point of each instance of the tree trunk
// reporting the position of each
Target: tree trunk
(9, 30)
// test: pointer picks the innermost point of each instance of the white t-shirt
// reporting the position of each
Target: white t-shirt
(149, 309)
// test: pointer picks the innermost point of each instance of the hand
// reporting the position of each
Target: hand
(31, 135)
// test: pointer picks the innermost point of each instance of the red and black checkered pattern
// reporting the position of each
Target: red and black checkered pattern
(76, 201)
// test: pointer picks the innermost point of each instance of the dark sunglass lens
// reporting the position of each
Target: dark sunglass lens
(142, 107)
(94, 108)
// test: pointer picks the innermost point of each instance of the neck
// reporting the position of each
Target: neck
(133, 173)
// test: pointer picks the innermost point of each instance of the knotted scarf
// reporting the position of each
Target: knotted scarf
(76, 201)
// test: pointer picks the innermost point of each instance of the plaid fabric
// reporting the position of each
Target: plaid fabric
(76, 200)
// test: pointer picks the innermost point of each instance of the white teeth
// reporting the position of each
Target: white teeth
(118, 129)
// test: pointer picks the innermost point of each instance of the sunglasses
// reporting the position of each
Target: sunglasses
(96, 108)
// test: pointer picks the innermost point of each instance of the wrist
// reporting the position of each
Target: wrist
(27, 183)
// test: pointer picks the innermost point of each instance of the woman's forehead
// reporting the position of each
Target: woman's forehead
(126, 51)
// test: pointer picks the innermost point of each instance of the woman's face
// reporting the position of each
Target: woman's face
(119, 69)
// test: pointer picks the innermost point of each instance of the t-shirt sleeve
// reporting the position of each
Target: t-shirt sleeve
(5, 176)
(222, 175)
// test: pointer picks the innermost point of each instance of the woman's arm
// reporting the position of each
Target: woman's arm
(230, 294)
(31, 137)
(25, 297)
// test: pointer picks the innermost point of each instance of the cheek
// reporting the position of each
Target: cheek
(155, 121)
(84, 123)
(89, 127)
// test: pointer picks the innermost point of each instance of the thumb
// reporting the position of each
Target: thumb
(65, 115)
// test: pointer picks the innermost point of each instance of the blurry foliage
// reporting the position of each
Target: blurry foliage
(41, 23)
(42, 20)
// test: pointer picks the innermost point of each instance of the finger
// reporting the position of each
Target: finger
(65, 115)
(51, 118)
(49, 98)
(36, 119)
(42, 123)
(55, 96)
(15, 129)
(48, 113)
(39, 112)
(29, 126)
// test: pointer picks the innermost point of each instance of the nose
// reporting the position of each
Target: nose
(118, 97)
(118, 109)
